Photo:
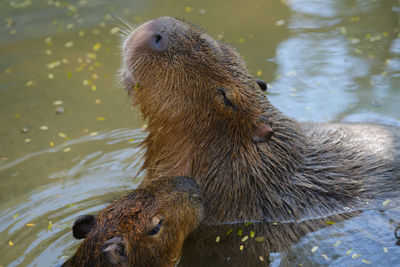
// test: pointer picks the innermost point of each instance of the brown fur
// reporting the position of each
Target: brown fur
(304, 171)
(132, 217)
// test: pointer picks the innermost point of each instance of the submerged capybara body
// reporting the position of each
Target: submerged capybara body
(208, 119)
(145, 228)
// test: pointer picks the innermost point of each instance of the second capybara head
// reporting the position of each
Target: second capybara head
(145, 228)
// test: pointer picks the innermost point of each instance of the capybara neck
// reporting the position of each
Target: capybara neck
(208, 119)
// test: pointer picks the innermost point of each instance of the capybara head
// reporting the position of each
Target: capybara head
(174, 69)
(145, 228)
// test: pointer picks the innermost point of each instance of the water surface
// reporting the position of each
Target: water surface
(323, 61)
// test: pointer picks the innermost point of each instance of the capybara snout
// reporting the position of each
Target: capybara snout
(145, 228)
(153, 35)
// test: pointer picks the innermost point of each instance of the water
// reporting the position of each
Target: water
(323, 61)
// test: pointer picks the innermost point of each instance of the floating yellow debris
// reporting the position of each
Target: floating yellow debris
(29, 83)
(50, 76)
(50, 225)
(115, 30)
(259, 73)
(70, 26)
(93, 133)
(53, 64)
(43, 128)
(314, 249)
(259, 239)
(20, 4)
(252, 234)
(57, 102)
(354, 40)
(330, 222)
(30, 224)
(69, 44)
(355, 19)
(349, 251)
(97, 47)
(241, 40)
(81, 33)
(51, 144)
(365, 261)
(10, 243)
(241, 247)
(91, 55)
(188, 9)
(325, 257)
(217, 239)
(343, 30)
(202, 11)
(100, 118)
(98, 101)
(10, 22)
(48, 41)
(386, 202)
(337, 243)
(62, 135)
(68, 149)
(244, 239)
(240, 232)
(355, 256)
(280, 22)
(27, 140)
(385, 249)
(261, 258)
(15, 216)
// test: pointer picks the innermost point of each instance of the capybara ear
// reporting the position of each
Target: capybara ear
(114, 251)
(83, 225)
(263, 132)
(262, 84)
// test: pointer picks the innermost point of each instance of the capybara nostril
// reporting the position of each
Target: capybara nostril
(158, 41)
(158, 38)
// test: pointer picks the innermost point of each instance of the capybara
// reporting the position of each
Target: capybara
(145, 228)
(208, 119)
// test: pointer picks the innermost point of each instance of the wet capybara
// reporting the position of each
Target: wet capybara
(145, 228)
(208, 119)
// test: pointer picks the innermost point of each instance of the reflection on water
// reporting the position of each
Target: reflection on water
(64, 146)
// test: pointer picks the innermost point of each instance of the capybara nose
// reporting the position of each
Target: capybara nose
(152, 35)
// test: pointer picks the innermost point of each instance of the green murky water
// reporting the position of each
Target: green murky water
(68, 134)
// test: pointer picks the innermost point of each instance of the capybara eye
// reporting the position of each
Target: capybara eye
(156, 229)
(227, 101)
